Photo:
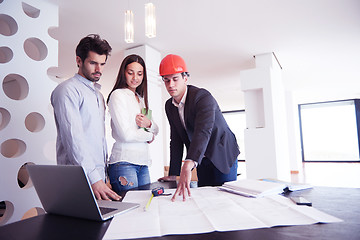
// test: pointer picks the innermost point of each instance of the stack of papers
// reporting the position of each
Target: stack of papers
(254, 188)
(291, 186)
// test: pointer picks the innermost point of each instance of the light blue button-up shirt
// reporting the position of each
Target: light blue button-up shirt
(79, 111)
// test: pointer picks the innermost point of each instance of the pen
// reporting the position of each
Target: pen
(148, 203)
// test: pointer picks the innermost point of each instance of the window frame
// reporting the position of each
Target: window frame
(232, 112)
(357, 120)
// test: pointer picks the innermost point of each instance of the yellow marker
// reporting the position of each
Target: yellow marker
(148, 203)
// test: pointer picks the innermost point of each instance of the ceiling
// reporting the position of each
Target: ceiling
(316, 42)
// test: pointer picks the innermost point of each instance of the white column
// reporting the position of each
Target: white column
(152, 60)
(266, 135)
(295, 157)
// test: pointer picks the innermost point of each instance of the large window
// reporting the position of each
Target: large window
(237, 123)
(329, 131)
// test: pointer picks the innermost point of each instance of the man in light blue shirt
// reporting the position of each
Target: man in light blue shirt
(79, 111)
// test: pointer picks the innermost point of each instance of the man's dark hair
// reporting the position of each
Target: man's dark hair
(183, 74)
(94, 43)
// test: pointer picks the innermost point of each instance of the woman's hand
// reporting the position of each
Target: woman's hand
(142, 121)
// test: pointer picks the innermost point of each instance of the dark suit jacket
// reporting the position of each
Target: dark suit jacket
(207, 133)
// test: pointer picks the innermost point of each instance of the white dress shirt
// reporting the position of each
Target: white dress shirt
(131, 141)
(181, 109)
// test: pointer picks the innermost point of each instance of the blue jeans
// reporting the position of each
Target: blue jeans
(209, 175)
(124, 176)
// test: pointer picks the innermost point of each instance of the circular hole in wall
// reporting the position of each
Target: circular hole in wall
(4, 118)
(34, 122)
(6, 211)
(8, 25)
(23, 176)
(5, 54)
(15, 86)
(13, 148)
(53, 73)
(33, 212)
(35, 49)
(31, 11)
(54, 32)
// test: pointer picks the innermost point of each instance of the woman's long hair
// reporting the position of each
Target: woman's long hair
(121, 79)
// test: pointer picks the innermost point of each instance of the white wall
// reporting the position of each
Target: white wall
(28, 130)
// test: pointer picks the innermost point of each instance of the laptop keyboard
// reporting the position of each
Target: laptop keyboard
(105, 210)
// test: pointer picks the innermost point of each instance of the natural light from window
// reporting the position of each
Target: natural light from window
(329, 131)
(237, 123)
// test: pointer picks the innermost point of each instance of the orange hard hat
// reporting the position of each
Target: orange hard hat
(172, 64)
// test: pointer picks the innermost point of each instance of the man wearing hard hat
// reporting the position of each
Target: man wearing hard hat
(196, 121)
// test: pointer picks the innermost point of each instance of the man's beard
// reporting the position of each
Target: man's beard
(90, 77)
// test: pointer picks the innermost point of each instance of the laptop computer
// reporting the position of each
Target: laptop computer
(65, 190)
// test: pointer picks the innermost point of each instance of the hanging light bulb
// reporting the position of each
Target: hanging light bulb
(129, 26)
(150, 20)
